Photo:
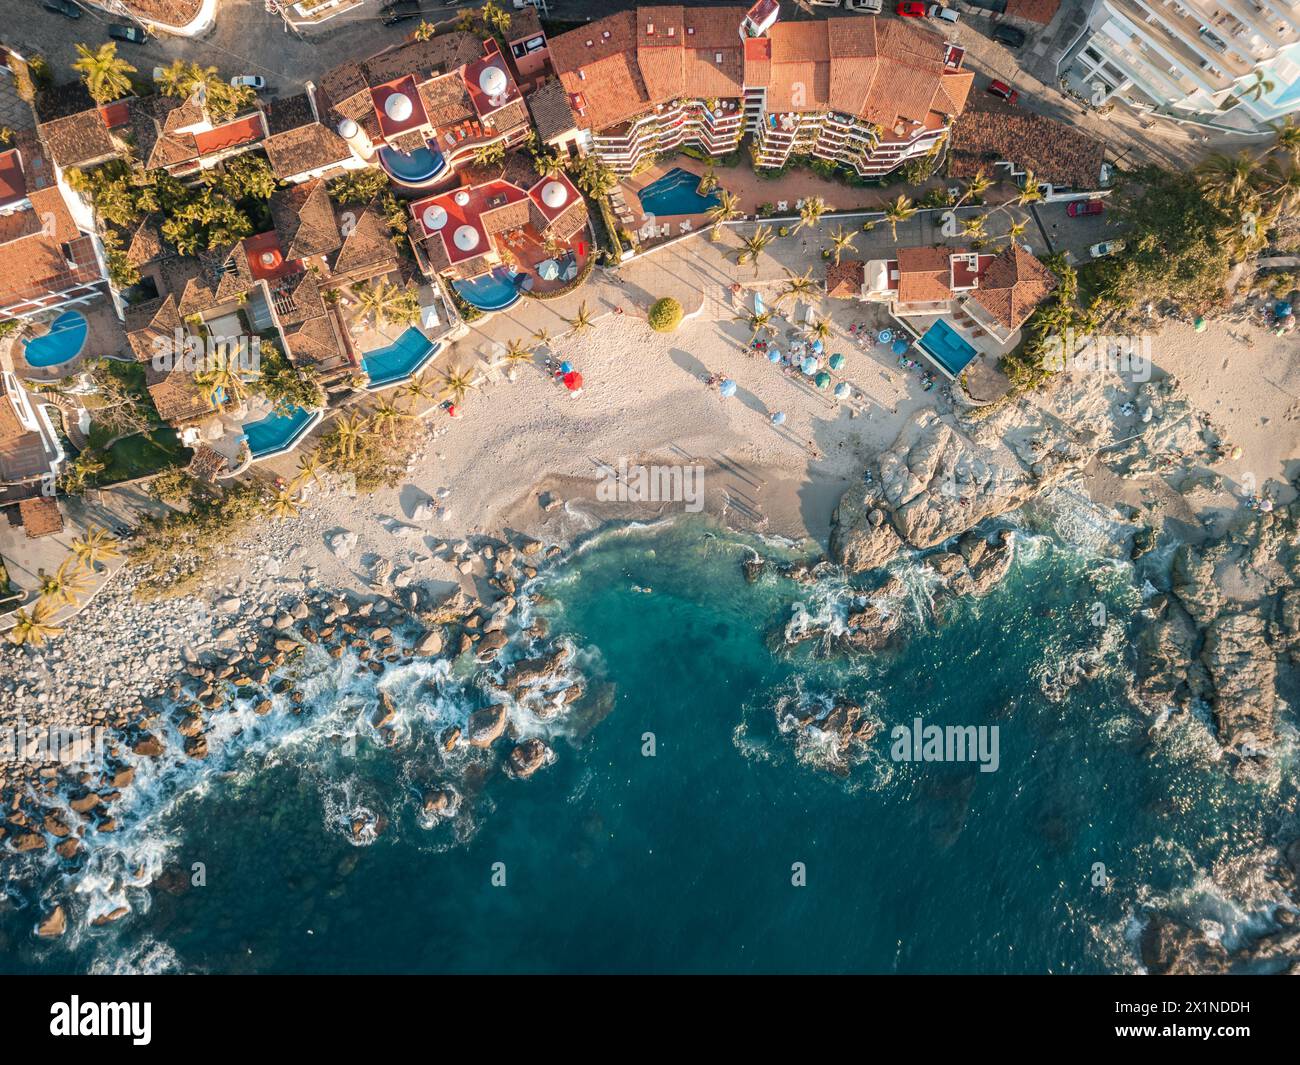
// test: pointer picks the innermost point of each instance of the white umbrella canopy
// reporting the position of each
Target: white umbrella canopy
(548, 269)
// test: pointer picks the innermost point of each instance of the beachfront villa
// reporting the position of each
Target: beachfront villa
(30, 452)
(957, 304)
(864, 92)
(502, 236)
(423, 109)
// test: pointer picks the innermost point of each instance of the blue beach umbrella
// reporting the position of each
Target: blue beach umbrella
(758, 303)
(842, 390)
(773, 355)
(837, 361)
(565, 368)
(885, 336)
(817, 346)
(809, 365)
(822, 379)
(778, 418)
(900, 346)
(728, 387)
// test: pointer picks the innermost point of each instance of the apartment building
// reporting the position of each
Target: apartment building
(1234, 63)
(868, 93)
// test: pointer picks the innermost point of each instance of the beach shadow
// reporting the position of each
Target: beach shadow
(411, 498)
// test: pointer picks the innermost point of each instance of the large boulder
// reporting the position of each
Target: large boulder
(485, 726)
(1194, 584)
(861, 536)
(1243, 675)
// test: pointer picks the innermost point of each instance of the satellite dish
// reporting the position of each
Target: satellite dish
(554, 195)
(434, 217)
(461, 198)
(492, 81)
(348, 129)
(466, 238)
(398, 107)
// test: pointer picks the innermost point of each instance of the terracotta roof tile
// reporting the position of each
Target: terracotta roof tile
(307, 148)
(1040, 11)
(177, 395)
(41, 516)
(923, 275)
(303, 217)
(552, 114)
(1013, 285)
(844, 280)
(992, 132)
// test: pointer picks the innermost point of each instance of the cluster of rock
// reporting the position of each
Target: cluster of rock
(842, 724)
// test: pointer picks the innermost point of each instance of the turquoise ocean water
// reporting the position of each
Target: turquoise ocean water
(683, 861)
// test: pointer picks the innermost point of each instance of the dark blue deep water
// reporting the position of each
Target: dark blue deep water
(682, 862)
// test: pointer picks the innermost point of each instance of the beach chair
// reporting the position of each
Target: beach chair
(665, 229)
(686, 226)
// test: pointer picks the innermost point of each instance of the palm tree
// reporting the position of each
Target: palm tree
(841, 241)
(1258, 88)
(1281, 186)
(65, 584)
(350, 430)
(309, 467)
(285, 504)
(583, 320)
(419, 387)
(222, 383)
(900, 210)
(95, 547)
(458, 382)
(175, 79)
(798, 286)
(820, 330)
(1030, 192)
(753, 246)
(542, 336)
(107, 77)
(727, 208)
(1286, 140)
(386, 417)
(33, 627)
(976, 186)
(383, 302)
(1014, 232)
(516, 352)
(811, 213)
(1228, 181)
(758, 322)
(424, 31)
(972, 227)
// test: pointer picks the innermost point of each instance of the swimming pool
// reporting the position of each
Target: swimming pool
(277, 433)
(412, 168)
(947, 348)
(677, 192)
(494, 291)
(401, 359)
(64, 341)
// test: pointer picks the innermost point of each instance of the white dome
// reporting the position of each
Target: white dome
(461, 198)
(434, 217)
(466, 238)
(554, 195)
(348, 129)
(492, 81)
(398, 107)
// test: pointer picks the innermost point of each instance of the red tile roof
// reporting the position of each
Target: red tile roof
(1013, 285)
(923, 275)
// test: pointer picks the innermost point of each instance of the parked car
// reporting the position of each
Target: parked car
(910, 10)
(121, 31)
(66, 8)
(1106, 247)
(1003, 91)
(871, 7)
(943, 14)
(396, 11)
(1011, 36)
(251, 81)
(1083, 208)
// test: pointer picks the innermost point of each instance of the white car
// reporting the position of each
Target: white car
(871, 7)
(251, 81)
(944, 14)
(1106, 247)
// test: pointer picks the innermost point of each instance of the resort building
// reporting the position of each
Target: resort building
(956, 303)
(1229, 63)
(1006, 141)
(30, 453)
(503, 233)
(864, 92)
(299, 146)
(179, 136)
(423, 109)
(50, 256)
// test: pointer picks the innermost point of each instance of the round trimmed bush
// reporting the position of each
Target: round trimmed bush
(665, 315)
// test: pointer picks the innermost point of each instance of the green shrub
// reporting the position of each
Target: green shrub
(665, 315)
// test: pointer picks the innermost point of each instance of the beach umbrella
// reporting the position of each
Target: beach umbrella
(885, 336)
(758, 303)
(548, 269)
(817, 346)
(822, 379)
(837, 361)
(566, 367)
(809, 365)
(842, 390)
(773, 355)
(728, 387)
(900, 346)
(573, 380)
(1235, 453)
(453, 411)
(1200, 324)
(778, 418)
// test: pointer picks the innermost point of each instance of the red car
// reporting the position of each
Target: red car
(910, 10)
(1003, 90)
(1080, 208)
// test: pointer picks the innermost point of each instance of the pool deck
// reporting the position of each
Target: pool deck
(104, 336)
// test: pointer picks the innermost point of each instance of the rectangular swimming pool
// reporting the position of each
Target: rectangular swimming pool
(947, 348)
